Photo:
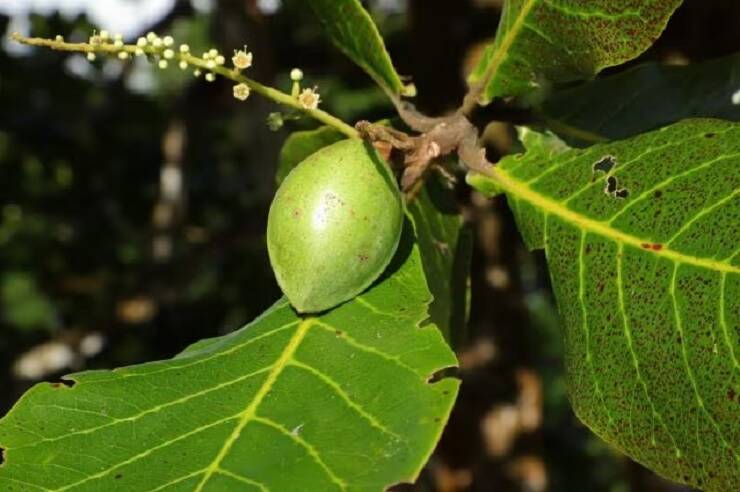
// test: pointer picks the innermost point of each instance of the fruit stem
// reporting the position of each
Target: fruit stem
(268, 92)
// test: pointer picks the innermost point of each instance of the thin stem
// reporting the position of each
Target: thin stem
(268, 92)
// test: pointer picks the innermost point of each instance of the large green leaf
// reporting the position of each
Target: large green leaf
(341, 401)
(648, 287)
(446, 246)
(540, 42)
(353, 31)
(644, 98)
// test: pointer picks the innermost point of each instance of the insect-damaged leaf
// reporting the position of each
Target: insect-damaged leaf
(648, 288)
(334, 402)
(446, 247)
(540, 42)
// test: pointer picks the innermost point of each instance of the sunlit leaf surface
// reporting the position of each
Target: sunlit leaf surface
(642, 239)
(341, 401)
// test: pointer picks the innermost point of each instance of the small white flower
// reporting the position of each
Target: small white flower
(91, 57)
(95, 39)
(59, 38)
(141, 42)
(241, 92)
(183, 65)
(118, 37)
(210, 77)
(197, 72)
(184, 48)
(242, 59)
(169, 54)
(123, 55)
(118, 43)
(212, 53)
(139, 52)
(168, 41)
(163, 64)
(296, 75)
(211, 64)
(157, 43)
(309, 98)
(104, 35)
(151, 36)
(220, 60)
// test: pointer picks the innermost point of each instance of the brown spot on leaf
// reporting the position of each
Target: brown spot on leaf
(363, 258)
(731, 394)
(645, 245)
(656, 247)
(118, 476)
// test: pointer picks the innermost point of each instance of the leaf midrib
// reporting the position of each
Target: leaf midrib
(501, 50)
(250, 412)
(520, 190)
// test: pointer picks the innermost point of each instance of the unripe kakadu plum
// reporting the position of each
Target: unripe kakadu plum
(334, 225)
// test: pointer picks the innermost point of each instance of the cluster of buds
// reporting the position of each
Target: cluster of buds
(164, 51)
(105, 38)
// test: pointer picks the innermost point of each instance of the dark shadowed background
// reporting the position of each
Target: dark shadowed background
(133, 204)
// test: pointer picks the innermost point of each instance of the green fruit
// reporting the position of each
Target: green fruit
(334, 225)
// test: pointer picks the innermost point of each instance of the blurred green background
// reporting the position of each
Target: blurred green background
(133, 204)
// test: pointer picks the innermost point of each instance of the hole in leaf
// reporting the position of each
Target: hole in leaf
(2, 456)
(622, 193)
(118, 476)
(605, 164)
(710, 135)
(63, 383)
(611, 185)
(441, 374)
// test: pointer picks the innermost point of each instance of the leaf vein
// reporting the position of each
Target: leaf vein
(371, 419)
(689, 373)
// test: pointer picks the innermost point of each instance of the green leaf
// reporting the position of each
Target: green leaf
(302, 144)
(644, 98)
(342, 401)
(446, 247)
(648, 287)
(540, 42)
(353, 31)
